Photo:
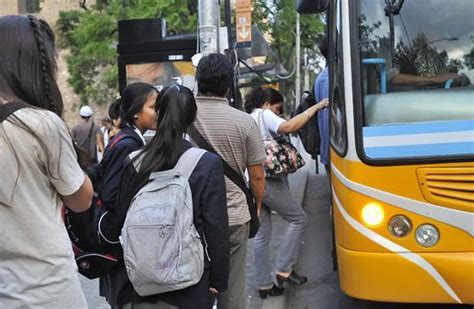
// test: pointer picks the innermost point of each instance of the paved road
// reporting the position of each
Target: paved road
(322, 291)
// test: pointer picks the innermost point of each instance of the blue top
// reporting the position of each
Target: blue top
(321, 91)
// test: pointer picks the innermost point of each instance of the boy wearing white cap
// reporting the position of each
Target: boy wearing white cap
(87, 134)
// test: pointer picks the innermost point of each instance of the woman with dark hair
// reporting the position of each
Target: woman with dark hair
(137, 115)
(263, 104)
(176, 109)
(39, 173)
(114, 115)
(136, 109)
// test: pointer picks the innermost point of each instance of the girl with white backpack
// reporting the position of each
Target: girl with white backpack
(176, 109)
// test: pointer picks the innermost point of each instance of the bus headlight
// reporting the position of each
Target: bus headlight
(372, 214)
(399, 226)
(427, 235)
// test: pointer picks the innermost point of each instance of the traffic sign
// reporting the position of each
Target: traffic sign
(244, 26)
(243, 5)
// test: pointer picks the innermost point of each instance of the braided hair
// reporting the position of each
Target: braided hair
(45, 42)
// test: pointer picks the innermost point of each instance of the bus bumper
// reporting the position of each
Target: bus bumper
(390, 277)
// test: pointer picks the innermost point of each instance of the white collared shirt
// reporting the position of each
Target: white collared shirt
(139, 134)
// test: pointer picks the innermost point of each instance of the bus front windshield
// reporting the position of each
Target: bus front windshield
(417, 76)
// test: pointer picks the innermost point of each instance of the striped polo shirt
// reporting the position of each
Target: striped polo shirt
(235, 136)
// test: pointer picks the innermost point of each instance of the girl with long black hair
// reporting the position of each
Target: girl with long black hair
(39, 172)
(136, 108)
(176, 109)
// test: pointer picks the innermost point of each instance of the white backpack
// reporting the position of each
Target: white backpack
(161, 247)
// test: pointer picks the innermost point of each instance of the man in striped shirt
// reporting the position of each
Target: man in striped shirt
(235, 136)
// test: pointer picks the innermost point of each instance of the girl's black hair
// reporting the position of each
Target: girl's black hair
(259, 96)
(28, 66)
(27, 73)
(114, 110)
(176, 110)
(134, 96)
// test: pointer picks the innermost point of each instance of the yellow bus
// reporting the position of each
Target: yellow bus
(402, 148)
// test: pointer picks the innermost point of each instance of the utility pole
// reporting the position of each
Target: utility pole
(306, 71)
(298, 61)
(209, 22)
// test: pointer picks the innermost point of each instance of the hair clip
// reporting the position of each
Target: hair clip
(176, 87)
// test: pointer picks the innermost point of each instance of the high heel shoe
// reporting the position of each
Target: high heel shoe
(293, 279)
(273, 291)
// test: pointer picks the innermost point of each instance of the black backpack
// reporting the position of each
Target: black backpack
(309, 133)
(95, 255)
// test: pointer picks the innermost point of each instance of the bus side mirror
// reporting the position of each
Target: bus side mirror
(311, 6)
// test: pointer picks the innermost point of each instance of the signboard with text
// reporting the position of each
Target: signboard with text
(243, 9)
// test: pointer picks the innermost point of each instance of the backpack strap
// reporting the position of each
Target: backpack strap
(229, 172)
(188, 161)
(9, 108)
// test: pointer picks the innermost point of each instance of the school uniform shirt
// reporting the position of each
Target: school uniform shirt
(113, 164)
(37, 267)
(114, 159)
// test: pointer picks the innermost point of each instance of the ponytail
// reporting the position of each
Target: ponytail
(176, 110)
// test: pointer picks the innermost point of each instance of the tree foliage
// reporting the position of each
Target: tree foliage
(278, 19)
(91, 35)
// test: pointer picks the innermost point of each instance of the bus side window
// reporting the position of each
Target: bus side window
(336, 69)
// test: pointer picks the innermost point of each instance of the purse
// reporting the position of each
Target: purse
(282, 157)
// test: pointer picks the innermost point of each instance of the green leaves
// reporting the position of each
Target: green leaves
(278, 19)
(91, 36)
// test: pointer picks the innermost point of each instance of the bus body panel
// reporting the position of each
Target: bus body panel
(375, 265)
(390, 277)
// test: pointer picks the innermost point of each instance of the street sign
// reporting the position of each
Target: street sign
(244, 27)
(243, 5)
(243, 22)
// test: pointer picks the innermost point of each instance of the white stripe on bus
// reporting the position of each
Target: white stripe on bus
(419, 139)
(403, 252)
(457, 218)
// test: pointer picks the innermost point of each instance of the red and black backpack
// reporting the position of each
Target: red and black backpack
(95, 255)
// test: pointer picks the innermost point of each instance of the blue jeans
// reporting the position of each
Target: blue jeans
(278, 198)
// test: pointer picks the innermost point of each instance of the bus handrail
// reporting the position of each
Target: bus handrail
(383, 71)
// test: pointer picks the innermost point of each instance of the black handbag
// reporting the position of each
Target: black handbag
(230, 173)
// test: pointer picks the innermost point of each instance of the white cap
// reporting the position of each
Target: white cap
(85, 111)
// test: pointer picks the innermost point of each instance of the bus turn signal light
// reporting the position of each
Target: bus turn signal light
(372, 214)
